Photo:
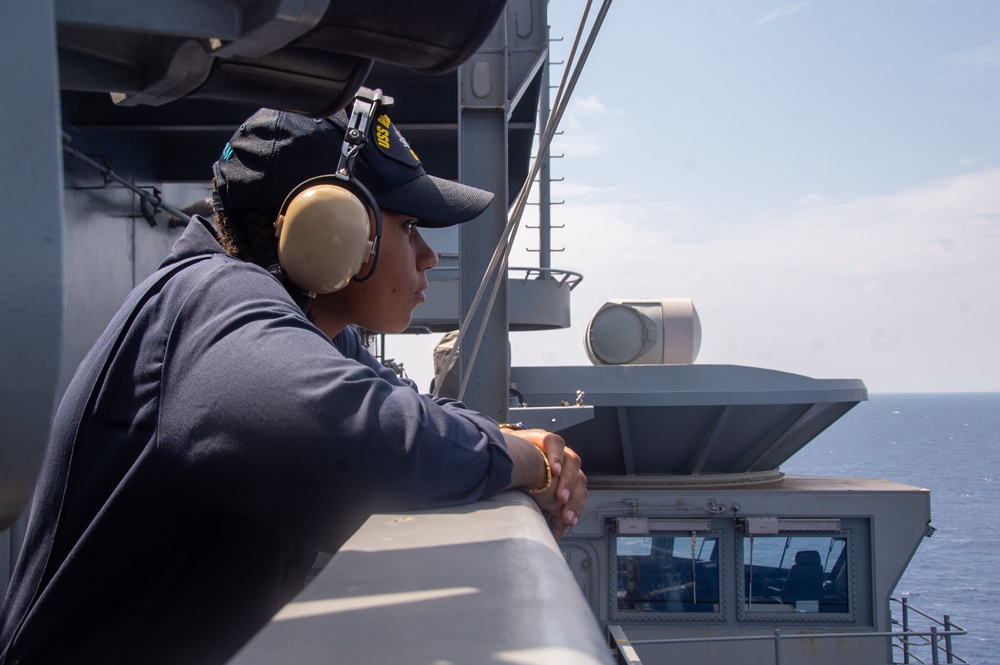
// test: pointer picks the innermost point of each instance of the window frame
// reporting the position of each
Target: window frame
(719, 614)
(743, 613)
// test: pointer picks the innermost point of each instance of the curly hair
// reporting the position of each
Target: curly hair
(249, 236)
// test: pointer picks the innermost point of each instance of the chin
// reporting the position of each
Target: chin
(390, 328)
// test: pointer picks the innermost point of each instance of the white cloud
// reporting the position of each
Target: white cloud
(587, 130)
(899, 290)
(782, 12)
(972, 162)
(580, 144)
(978, 58)
(589, 105)
(871, 288)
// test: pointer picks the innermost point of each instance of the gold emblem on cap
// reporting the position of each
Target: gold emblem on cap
(382, 133)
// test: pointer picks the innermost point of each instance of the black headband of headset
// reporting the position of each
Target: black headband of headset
(367, 104)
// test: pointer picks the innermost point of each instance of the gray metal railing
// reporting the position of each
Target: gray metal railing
(937, 640)
(941, 633)
(483, 583)
(522, 273)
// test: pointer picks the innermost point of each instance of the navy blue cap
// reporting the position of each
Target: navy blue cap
(273, 151)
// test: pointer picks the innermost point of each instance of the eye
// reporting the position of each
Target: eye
(409, 225)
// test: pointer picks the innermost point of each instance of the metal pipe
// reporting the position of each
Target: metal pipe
(148, 197)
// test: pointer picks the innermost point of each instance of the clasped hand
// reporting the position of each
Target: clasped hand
(563, 502)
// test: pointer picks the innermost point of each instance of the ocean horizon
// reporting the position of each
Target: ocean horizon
(948, 443)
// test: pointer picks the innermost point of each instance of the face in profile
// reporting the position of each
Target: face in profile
(385, 302)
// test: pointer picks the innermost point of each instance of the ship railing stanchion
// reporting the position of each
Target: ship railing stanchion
(906, 630)
(777, 646)
(947, 639)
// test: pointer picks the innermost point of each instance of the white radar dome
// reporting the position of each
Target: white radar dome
(663, 331)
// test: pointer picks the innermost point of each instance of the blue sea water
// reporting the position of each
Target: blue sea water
(950, 444)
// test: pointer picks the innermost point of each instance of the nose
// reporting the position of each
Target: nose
(427, 258)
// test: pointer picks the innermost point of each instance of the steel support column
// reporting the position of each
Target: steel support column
(482, 146)
(484, 132)
(31, 275)
(491, 84)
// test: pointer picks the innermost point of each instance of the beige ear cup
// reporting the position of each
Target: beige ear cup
(324, 238)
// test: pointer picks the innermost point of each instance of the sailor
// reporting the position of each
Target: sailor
(229, 423)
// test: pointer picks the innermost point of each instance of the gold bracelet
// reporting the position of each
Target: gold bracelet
(548, 475)
(548, 469)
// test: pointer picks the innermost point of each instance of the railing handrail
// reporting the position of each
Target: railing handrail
(904, 644)
(795, 636)
(452, 583)
(906, 605)
(902, 640)
(568, 277)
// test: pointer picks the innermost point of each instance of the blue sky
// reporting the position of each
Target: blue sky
(821, 178)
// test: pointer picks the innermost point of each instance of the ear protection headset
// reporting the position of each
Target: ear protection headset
(328, 227)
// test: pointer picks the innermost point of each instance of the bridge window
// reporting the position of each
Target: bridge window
(664, 573)
(805, 575)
